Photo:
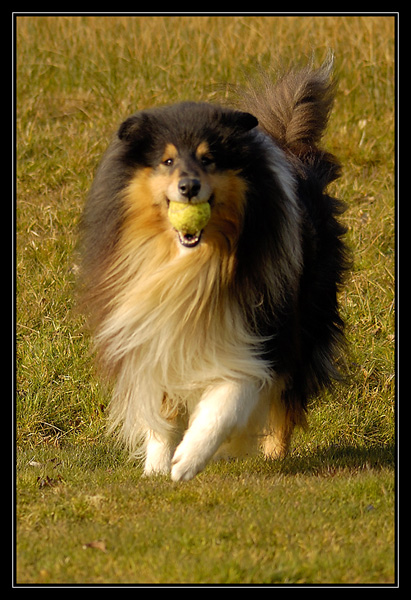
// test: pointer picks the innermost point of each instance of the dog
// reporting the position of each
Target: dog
(215, 340)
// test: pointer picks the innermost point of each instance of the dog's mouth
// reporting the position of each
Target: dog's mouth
(189, 240)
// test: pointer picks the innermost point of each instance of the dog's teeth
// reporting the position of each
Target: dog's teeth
(189, 241)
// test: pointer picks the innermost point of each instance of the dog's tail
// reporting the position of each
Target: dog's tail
(294, 110)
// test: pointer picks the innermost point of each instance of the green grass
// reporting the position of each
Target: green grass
(248, 522)
(326, 513)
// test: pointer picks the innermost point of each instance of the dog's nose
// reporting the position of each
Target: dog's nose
(189, 187)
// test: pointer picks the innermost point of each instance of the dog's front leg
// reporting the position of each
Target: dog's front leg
(159, 450)
(222, 409)
(160, 447)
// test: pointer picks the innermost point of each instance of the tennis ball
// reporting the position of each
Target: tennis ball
(189, 218)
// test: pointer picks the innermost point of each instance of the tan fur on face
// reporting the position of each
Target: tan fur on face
(146, 210)
(203, 150)
(169, 152)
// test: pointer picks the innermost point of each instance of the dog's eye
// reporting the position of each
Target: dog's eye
(168, 162)
(206, 160)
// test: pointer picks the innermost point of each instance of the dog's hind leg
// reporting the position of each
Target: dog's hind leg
(223, 409)
(282, 420)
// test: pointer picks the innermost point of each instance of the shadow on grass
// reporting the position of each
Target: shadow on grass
(336, 457)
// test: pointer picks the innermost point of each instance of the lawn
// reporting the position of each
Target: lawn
(84, 514)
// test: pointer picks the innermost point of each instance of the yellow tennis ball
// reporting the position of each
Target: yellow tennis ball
(189, 218)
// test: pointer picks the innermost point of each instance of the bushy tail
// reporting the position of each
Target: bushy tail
(293, 110)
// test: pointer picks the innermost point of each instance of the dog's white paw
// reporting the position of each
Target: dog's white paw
(156, 469)
(185, 465)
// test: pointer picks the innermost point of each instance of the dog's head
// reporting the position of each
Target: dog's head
(189, 153)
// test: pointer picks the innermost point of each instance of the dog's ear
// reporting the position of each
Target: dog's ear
(241, 121)
(134, 128)
(246, 121)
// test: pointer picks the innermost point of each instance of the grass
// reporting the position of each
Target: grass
(323, 515)
(235, 524)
